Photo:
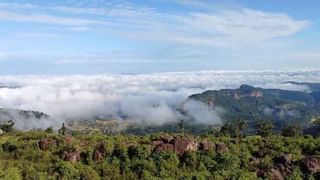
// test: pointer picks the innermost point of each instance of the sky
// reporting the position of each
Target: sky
(150, 36)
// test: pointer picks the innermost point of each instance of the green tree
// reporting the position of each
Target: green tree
(8, 126)
(234, 129)
(63, 129)
(264, 128)
(67, 171)
(11, 173)
(49, 130)
(227, 129)
(239, 128)
(291, 131)
(181, 126)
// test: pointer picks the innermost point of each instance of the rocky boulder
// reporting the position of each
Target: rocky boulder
(282, 167)
(285, 159)
(284, 163)
(271, 173)
(311, 164)
(71, 156)
(205, 145)
(68, 140)
(98, 153)
(46, 143)
(167, 139)
(164, 148)
(276, 174)
(179, 145)
(182, 145)
(221, 148)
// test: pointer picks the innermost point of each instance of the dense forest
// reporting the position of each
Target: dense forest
(227, 153)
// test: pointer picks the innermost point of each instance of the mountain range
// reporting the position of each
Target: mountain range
(253, 103)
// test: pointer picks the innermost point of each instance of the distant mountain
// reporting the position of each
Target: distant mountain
(252, 103)
(16, 114)
(9, 86)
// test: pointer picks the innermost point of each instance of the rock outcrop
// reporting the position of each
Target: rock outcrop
(282, 167)
(71, 156)
(311, 164)
(182, 145)
(98, 153)
(68, 139)
(46, 143)
(205, 145)
(179, 145)
(284, 163)
(221, 148)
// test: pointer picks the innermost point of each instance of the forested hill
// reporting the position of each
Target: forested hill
(309, 85)
(14, 114)
(252, 103)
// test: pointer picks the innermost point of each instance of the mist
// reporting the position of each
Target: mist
(149, 99)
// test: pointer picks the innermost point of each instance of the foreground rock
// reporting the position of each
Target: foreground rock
(179, 145)
(282, 167)
(98, 153)
(311, 164)
(71, 156)
(284, 164)
(205, 145)
(221, 148)
(46, 143)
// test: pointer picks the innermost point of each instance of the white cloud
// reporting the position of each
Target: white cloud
(143, 98)
(47, 19)
(222, 28)
(246, 24)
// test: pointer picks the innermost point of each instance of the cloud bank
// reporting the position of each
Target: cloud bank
(150, 99)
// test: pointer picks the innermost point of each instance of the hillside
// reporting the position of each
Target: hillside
(251, 103)
(45, 155)
(13, 114)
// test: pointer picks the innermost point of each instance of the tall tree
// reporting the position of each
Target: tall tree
(264, 128)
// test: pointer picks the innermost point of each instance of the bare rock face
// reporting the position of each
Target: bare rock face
(272, 173)
(98, 153)
(167, 139)
(164, 148)
(221, 148)
(285, 159)
(156, 143)
(311, 164)
(205, 145)
(276, 174)
(97, 156)
(254, 162)
(179, 145)
(46, 143)
(71, 156)
(68, 140)
(182, 145)
(283, 165)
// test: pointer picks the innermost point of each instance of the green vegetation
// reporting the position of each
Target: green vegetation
(264, 136)
(46, 155)
(254, 104)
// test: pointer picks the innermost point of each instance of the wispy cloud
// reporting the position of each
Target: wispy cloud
(198, 34)
(47, 19)
(221, 28)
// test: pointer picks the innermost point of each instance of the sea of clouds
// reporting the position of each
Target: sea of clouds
(149, 99)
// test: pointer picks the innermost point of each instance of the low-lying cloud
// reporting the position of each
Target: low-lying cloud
(149, 99)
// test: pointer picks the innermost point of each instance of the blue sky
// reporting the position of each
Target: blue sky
(105, 36)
